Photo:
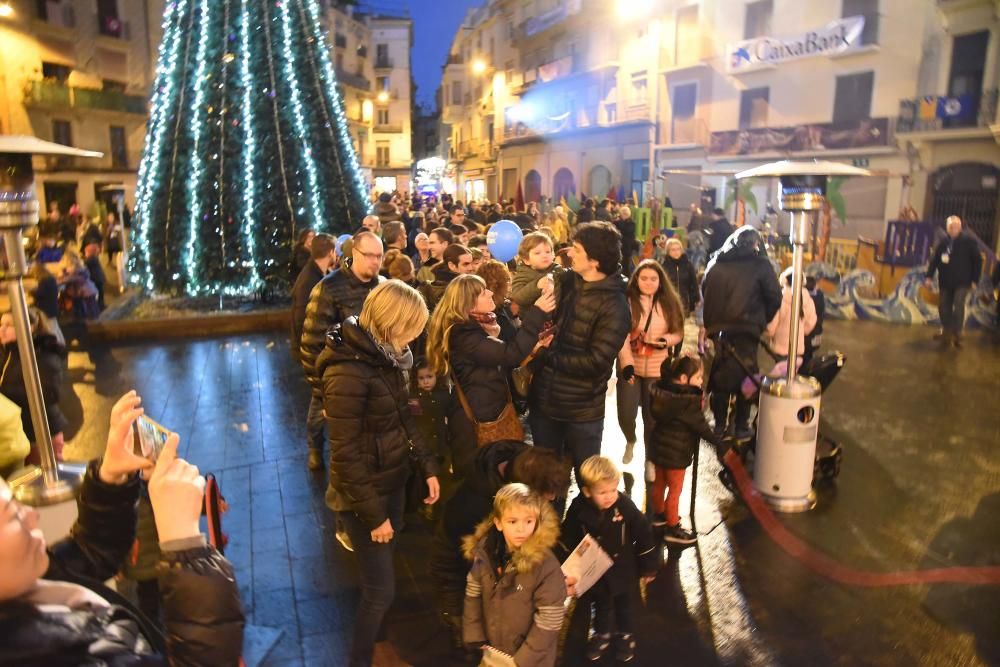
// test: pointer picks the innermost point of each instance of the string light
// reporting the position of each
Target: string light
(197, 129)
(149, 166)
(249, 150)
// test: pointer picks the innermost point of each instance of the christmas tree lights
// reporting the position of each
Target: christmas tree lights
(247, 144)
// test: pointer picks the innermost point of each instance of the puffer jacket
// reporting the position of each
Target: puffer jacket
(433, 291)
(571, 377)
(679, 425)
(335, 298)
(51, 359)
(649, 366)
(305, 281)
(777, 330)
(623, 533)
(515, 604)
(370, 425)
(685, 280)
(741, 292)
(471, 502)
(202, 612)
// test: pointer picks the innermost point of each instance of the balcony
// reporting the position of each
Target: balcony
(52, 95)
(455, 59)
(811, 138)
(948, 116)
(468, 148)
(383, 63)
(353, 80)
(389, 128)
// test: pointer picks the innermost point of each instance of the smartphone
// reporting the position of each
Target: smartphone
(148, 438)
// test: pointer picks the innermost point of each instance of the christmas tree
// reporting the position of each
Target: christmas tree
(247, 145)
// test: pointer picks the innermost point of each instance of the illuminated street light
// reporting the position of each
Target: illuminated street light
(383, 96)
(6, 11)
(479, 66)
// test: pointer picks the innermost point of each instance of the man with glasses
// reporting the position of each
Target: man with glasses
(335, 298)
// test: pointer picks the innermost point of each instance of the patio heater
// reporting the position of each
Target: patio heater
(788, 414)
(52, 486)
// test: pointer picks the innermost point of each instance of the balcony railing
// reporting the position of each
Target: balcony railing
(933, 113)
(864, 133)
(383, 63)
(455, 59)
(56, 95)
(353, 80)
(388, 128)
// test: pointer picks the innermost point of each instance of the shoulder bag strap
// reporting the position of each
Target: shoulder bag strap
(461, 398)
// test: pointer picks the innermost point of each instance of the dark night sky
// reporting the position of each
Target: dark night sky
(434, 25)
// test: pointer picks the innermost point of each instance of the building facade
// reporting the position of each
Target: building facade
(78, 72)
(579, 96)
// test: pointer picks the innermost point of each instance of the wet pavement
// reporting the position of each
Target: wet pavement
(919, 488)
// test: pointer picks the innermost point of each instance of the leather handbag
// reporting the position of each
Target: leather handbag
(505, 427)
(522, 376)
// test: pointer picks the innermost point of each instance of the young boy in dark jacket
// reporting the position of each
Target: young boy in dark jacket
(430, 404)
(613, 520)
(680, 425)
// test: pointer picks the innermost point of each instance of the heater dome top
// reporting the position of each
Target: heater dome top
(803, 168)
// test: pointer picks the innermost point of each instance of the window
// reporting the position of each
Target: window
(868, 9)
(62, 132)
(639, 87)
(683, 102)
(119, 150)
(381, 83)
(853, 99)
(339, 60)
(56, 72)
(108, 21)
(382, 56)
(340, 41)
(362, 51)
(382, 154)
(56, 12)
(753, 107)
(112, 86)
(456, 92)
(758, 19)
(382, 117)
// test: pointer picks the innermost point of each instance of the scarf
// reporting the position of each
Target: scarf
(488, 321)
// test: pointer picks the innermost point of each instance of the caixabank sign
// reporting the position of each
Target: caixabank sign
(836, 37)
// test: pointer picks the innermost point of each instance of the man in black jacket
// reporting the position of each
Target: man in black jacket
(322, 256)
(592, 319)
(586, 213)
(958, 264)
(456, 261)
(741, 295)
(335, 298)
(630, 245)
(719, 230)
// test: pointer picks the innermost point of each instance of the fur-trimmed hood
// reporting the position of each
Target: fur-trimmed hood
(531, 553)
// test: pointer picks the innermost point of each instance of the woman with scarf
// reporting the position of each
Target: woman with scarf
(463, 343)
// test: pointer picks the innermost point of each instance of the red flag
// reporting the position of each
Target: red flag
(519, 199)
(612, 195)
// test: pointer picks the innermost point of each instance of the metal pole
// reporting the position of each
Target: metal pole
(123, 255)
(26, 350)
(799, 237)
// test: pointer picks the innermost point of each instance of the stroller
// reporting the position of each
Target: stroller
(824, 368)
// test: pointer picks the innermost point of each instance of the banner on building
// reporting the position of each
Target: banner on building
(837, 37)
(866, 133)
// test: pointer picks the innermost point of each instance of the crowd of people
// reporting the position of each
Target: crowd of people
(442, 376)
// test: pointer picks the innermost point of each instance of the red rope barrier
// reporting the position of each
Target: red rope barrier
(825, 566)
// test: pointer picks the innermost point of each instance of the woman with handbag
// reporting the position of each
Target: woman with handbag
(463, 344)
(657, 325)
(374, 443)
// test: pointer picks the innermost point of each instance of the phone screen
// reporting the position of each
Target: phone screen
(148, 438)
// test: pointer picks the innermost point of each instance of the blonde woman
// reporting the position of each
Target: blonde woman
(372, 439)
(463, 342)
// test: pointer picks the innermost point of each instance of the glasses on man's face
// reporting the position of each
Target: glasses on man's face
(376, 256)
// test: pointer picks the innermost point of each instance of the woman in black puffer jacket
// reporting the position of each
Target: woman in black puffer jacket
(55, 611)
(372, 439)
(681, 272)
(463, 342)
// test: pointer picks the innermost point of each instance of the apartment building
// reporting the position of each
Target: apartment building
(582, 96)
(78, 72)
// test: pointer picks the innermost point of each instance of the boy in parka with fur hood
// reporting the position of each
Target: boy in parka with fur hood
(515, 590)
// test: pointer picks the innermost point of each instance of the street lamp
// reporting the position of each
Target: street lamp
(478, 66)
(52, 486)
(383, 96)
(6, 10)
(788, 415)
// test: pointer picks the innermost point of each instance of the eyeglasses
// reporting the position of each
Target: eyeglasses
(370, 255)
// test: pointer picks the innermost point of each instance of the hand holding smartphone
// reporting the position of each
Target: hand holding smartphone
(148, 438)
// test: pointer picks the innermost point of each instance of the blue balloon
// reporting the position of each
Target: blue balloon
(341, 240)
(503, 239)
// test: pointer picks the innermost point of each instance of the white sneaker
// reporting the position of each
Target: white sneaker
(629, 451)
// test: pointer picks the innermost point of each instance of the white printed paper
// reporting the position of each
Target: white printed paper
(587, 564)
